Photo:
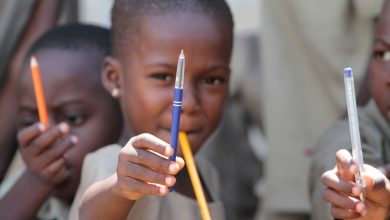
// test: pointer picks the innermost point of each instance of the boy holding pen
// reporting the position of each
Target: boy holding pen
(374, 127)
(147, 37)
(81, 117)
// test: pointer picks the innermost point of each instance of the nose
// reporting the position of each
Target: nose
(191, 102)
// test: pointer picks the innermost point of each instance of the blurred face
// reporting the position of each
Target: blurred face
(380, 64)
(147, 75)
(73, 95)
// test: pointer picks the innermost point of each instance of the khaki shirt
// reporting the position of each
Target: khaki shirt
(375, 136)
(102, 164)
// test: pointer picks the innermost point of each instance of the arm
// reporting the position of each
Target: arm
(142, 164)
(42, 151)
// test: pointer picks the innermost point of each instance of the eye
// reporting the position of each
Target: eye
(382, 55)
(74, 119)
(214, 80)
(162, 76)
(26, 121)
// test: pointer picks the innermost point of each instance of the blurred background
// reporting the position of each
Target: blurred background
(286, 90)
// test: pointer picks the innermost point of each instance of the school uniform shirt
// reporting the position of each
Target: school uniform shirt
(52, 209)
(375, 137)
(102, 163)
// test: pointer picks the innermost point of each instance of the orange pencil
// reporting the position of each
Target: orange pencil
(39, 95)
(194, 176)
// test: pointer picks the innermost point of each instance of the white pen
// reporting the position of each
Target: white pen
(357, 153)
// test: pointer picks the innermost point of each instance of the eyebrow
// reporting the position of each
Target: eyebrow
(216, 67)
(382, 41)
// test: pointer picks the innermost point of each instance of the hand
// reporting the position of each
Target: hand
(43, 149)
(342, 192)
(144, 168)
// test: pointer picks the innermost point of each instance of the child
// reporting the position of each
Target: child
(147, 37)
(83, 117)
(374, 121)
(341, 192)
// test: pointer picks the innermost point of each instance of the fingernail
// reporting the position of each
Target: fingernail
(74, 139)
(162, 189)
(63, 127)
(353, 168)
(168, 150)
(169, 180)
(41, 127)
(359, 207)
(173, 167)
(355, 190)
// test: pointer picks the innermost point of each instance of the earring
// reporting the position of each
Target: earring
(115, 93)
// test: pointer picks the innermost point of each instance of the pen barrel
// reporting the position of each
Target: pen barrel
(175, 125)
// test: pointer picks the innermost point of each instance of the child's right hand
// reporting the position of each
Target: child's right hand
(342, 192)
(43, 151)
(144, 167)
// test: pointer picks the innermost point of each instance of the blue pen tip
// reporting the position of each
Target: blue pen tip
(348, 72)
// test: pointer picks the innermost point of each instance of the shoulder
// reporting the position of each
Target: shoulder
(97, 166)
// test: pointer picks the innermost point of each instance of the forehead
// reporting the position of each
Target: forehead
(63, 73)
(383, 27)
(197, 34)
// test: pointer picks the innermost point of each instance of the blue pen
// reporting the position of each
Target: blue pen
(177, 103)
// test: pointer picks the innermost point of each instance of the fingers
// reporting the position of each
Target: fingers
(41, 142)
(340, 213)
(43, 151)
(144, 167)
(339, 200)
(133, 189)
(55, 151)
(27, 134)
(346, 167)
(150, 142)
(144, 174)
(331, 180)
(150, 160)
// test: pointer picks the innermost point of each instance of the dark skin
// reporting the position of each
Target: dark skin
(43, 17)
(145, 76)
(341, 191)
(83, 117)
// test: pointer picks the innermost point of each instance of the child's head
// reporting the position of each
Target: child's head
(70, 62)
(147, 37)
(380, 63)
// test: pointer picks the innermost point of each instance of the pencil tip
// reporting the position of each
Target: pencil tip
(33, 62)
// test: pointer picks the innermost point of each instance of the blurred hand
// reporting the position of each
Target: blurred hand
(43, 151)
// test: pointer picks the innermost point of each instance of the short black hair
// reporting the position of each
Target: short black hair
(126, 15)
(74, 37)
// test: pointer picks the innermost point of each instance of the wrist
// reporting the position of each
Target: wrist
(119, 193)
(36, 182)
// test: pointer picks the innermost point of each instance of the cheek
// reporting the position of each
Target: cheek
(213, 105)
(145, 107)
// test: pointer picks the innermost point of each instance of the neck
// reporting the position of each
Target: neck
(125, 136)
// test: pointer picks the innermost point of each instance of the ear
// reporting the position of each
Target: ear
(111, 76)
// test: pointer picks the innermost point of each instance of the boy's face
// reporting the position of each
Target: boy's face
(148, 73)
(73, 95)
(380, 64)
